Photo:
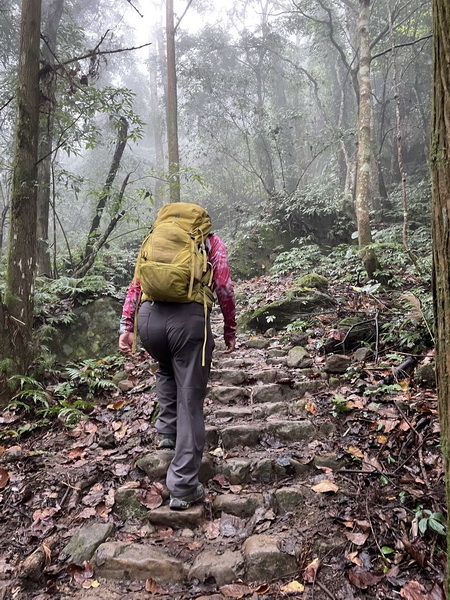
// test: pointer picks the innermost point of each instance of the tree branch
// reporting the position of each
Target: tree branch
(184, 12)
(422, 39)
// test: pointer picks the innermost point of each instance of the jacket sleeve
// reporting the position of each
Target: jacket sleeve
(223, 285)
(130, 306)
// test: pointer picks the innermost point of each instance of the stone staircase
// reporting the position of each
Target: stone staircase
(265, 448)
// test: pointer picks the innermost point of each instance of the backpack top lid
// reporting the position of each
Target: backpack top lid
(189, 216)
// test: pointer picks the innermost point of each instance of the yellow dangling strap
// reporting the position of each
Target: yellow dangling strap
(205, 333)
(191, 283)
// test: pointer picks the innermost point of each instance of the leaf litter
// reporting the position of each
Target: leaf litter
(386, 445)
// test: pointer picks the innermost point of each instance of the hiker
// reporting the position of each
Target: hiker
(177, 333)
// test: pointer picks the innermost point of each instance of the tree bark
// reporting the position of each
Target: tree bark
(364, 144)
(440, 169)
(48, 86)
(16, 309)
(94, 232)
(172, 107)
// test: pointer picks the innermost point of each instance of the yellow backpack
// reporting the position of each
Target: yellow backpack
(172, 264)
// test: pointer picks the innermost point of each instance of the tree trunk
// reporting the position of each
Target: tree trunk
(16, 309)
(440, 169)
(172, 108)
(94, 232)
(364, 143)
(48, 85)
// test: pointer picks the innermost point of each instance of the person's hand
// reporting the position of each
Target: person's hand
(126, 342)
(231, 345)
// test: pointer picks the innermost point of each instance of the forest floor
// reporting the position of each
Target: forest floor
(355, 501)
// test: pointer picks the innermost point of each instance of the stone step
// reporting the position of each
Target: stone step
(259, 559)
(271, 392)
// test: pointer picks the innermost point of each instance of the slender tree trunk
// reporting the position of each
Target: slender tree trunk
(440, 169)
(48, 85)
(94, 232)
(172, 107)
(364, 143)
(16, 309)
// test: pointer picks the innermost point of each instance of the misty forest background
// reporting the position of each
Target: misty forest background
(304, 129)
(268, 99)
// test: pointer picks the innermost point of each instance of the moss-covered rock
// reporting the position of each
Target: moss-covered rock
(279, 314)
(93, 332)
(313, 280)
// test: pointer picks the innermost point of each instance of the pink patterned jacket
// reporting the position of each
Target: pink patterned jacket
(222, 285)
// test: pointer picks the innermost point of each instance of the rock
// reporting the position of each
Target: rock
(212, 437)
(313, 280)
(119, 560)
(233, 412)
(289, 499)
(271, 332)
(127, 505)
(91, 334)
(236, 470)
(292, 431)
(126, 385)
(241, 435)
(272, 392)
(276, 353)
(264, 561)
(243, 505)
(328, 460)
(207, 469)
(228, 394)
(119, 376)
(283, 312)
(177, 519)
(224, 568)
(362, 354)
(298, 358)
(86, 541)
(228, 377)
(265, 376)
(336, 363)
(155, 465)
(426, 376)
(258, 343)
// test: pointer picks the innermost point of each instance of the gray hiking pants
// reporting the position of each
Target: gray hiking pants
(173, 334)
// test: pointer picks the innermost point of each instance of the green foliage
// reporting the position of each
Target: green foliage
(410, 324)
(428, 520)
(339, 403)
(90, 376)
(68, 401)
(301, 259)
(383, 389)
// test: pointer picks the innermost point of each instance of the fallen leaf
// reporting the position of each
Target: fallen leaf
(353, 557)
(217, 452)
(357, 538)
(153, 588)
(150, 499)
(117, 405)
(310, 573)
(212, 529)
(364, 579)
(235, 590)
(221, 480)
(311, 408)
(80, 573)
(262, 589)
(294, 587)
(355, 451)
(4, 478)
(325, 486)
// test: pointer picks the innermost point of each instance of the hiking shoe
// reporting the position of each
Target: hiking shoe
(165, 440)
(187, 501)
